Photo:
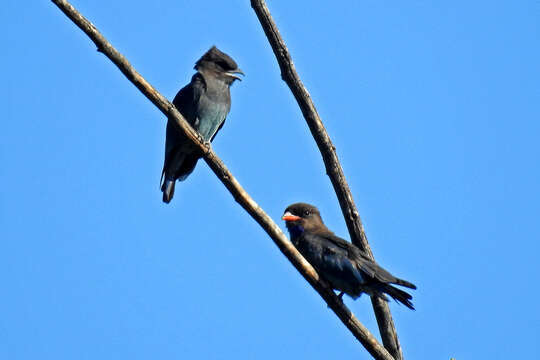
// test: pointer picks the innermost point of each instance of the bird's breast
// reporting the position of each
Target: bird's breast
(210, 115)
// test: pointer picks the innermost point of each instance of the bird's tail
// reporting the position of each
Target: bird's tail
(400, 295)
(168, 190)
(404, 283)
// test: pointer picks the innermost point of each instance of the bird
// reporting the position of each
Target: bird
(205, 103)
(342, 264)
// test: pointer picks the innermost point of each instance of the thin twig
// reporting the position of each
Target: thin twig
(240, 195)
(331, 162)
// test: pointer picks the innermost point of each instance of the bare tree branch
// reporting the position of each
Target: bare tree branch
(331, 162)
(240, 195)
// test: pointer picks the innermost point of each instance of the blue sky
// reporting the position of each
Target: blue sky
(434, 111)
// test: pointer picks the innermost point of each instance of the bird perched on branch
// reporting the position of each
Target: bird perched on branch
(341, 263)
(204, 103)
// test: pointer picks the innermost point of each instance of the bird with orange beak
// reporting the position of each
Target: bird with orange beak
(341, 263)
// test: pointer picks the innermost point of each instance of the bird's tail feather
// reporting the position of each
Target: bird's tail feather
(399, 295)
(168, 190)
(404, 283)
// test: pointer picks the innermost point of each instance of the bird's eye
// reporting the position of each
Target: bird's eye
(307, 213)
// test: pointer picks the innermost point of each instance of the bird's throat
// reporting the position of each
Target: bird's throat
(295, 230)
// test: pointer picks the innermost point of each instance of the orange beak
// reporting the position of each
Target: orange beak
(290, 217)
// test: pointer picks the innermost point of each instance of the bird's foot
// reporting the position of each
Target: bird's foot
(340, 297)
(207, 146)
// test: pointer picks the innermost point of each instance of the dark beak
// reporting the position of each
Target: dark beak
(233, 74)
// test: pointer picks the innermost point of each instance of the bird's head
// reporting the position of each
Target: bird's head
(303, 216)
(219, 64)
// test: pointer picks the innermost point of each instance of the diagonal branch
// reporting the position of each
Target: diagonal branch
(240, 195)
(331, 162)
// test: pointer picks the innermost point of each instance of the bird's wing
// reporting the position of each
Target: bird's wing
(187, 99)
(333, 261)
(363, 263)
(335, 241)
(334, 249)
(329, 242)
(374, 270)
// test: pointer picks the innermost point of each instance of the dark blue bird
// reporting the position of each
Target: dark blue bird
(341, 263)
(204, 103)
